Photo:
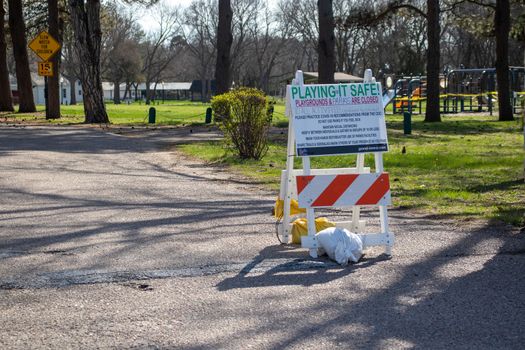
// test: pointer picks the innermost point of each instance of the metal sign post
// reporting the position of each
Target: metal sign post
(46, 97)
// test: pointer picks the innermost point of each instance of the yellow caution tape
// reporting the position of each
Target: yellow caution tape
(484, 94)
(412, 99)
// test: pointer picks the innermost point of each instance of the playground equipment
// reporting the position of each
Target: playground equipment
(409, 93)
(461, 91)
(470, 90)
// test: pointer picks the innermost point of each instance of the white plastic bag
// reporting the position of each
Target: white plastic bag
(340, 245)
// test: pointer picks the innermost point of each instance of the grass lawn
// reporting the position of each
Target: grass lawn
(466, 166)
(168, 113)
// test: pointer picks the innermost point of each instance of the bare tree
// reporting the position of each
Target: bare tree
(433, 53)
(348, 40)
(85, 16)
(53, 87)
(6, 100)
(70, 63)
(326, 48)
(122, 46)
(371, 16)
(502, 31)
(199, 35)
(499, 28)
(224, 43)
(245, 15)
(126, 63)
(23, 74)
(268, 37)
(303, 17)
(161, 46)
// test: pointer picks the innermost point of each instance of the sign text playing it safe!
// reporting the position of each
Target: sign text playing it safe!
(338, 119)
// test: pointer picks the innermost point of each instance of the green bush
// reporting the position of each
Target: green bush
(244, 120)
(221, 107)
(269, 111)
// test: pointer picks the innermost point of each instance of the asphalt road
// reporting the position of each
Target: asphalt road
(110, 239)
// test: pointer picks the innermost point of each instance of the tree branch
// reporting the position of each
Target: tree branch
(368, 18)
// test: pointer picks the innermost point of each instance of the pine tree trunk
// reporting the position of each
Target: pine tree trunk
(53, 83)
(148, 93)
(72, 90)
(326, 48)
(85, 16)
(203, 90)
(127, 91)
(502, 28)
(224, 43)
(432, 111)
(6, 100)
(23, 74)
(116, 92)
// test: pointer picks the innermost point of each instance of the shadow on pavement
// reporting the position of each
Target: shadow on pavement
(446, 300)
(68, 140)
(297, 269)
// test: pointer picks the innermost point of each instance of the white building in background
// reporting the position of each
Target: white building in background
(38, 83)
(65, 91)
(168, 91)
(162, 91)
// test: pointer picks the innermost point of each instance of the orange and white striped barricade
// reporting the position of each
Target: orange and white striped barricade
(333, 120)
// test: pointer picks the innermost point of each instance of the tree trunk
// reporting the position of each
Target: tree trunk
(148, 92)
(23, 74)
(72, 90)
(6, 100)
(85, 16)
(154, 95)
(53, 83)
(326, 48)
(432, 111)
(203, 90)
(116, 92)
(127, 91)
(502, 28)
(224, 43)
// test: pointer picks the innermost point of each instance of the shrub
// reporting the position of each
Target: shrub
(269, 111)
(245, 121)
(221, 107)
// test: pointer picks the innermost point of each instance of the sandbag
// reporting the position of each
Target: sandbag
(300, 228)
(278, 209)
(340, 245)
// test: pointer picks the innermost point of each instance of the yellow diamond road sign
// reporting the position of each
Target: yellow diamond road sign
(44, 45)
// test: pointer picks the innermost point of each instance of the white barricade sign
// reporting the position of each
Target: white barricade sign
(336, 119)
